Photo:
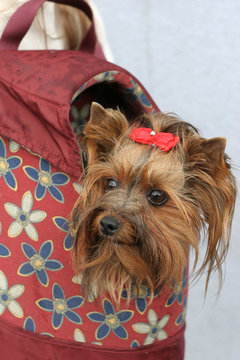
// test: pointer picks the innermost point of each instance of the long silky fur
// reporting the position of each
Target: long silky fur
(152, 246)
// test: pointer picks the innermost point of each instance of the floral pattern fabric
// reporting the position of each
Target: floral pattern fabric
(37, 287)
(130, 85)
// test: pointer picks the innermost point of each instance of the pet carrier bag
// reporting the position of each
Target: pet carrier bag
(43, 314)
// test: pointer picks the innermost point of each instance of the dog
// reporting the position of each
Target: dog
(150, 189)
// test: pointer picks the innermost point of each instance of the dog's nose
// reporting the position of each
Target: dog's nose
(109, 225)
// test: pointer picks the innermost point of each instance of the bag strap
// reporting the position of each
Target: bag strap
(21, 20)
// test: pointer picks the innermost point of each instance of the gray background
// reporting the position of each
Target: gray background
(186, 53)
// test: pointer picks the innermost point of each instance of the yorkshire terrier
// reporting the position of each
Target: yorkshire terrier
(151, 189)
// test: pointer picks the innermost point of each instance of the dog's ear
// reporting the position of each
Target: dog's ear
(213, 188)
(104, 129)
(207, 155)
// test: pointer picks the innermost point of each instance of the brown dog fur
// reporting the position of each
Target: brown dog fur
(152, 244)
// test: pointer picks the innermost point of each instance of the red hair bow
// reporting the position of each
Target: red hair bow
(165, 141)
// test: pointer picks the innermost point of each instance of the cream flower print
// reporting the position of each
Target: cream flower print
(77, 187)
(154, 329)
(24, 217)
(13, 146)
(8, 296)
(106, 76)
(80, 337)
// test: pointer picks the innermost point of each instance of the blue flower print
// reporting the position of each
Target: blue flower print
(178, 290)
(29, 324)
(181, 318)
(110, 320)
(46, 181)
(134, 344)
(39, 263)
(7, 165)
(4, 251)
(138, 94)
(64, 225)
(60, 307)
(140, 294)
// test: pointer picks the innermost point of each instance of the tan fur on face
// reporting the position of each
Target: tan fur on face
(151, 247)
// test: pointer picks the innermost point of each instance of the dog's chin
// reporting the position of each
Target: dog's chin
(96, 282)
(111, 265)
(124, 260)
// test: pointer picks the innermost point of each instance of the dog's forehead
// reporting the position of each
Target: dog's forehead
(151, 164)
(139, 155)
(132, 153)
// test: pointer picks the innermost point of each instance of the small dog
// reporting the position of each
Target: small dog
(149, 190)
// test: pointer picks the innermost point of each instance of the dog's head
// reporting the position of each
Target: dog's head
(142, 208)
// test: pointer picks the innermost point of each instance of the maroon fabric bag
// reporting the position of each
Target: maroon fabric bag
(37, 90)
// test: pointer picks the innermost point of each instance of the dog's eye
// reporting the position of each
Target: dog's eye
(157, 197)
(111, 184)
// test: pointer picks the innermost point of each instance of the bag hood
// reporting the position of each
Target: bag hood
(36, 92)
